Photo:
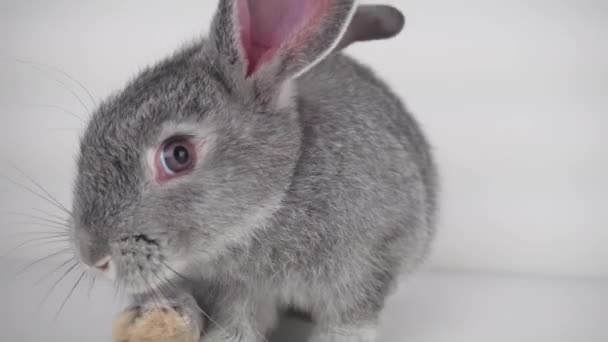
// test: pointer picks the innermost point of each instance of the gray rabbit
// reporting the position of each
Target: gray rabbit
(257, 171)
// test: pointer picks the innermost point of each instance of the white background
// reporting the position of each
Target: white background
(512, 93)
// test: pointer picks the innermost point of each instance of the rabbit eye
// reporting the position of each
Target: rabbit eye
(174, 158)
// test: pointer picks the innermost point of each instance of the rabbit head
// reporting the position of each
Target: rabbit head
(196, 152)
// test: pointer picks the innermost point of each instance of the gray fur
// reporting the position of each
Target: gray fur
(373, 22)
(316, 204)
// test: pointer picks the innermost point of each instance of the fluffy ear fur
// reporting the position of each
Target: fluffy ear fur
(262, 44)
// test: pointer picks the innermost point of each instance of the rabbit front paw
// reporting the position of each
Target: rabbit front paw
(155, 324)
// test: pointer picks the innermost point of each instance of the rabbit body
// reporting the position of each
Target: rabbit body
(361, 203)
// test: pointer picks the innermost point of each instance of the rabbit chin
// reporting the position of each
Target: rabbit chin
(158, 283)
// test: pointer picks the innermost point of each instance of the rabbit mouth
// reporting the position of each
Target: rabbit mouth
(141, 265)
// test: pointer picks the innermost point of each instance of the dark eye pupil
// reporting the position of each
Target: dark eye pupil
(177, 156)
(181, 155)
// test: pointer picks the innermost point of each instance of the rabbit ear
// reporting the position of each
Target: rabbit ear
(373, 22)
(271, 41)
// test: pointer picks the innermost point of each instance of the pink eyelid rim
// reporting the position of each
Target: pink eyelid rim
(160, 171)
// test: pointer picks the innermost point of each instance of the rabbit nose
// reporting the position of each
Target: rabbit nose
(104, 264)
(107, 267)
(91, 249)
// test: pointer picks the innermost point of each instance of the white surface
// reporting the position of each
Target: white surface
(434, 307)
(513, 94)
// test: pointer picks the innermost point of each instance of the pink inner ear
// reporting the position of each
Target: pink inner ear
(266, 25)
